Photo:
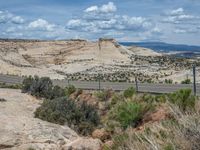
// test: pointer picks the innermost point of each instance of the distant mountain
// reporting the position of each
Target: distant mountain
(164, 47)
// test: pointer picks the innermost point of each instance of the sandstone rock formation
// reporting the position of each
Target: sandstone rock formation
(56, 58)
(19, 130)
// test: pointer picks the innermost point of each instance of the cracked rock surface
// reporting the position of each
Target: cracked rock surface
(20, 130)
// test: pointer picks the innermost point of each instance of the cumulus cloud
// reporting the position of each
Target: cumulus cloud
(17, 20)
(179, 11)
(179, 16)
(6, 17)
(107, 8)
(102, 19)
(41, 24)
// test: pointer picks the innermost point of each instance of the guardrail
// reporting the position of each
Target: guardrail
(118, 86)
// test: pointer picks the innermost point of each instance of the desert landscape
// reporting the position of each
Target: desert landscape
(99, 75)
(87, 60)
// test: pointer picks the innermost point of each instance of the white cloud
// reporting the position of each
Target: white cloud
(179, 16)
(92, 9)
(185, 30)
(6, 17)
(103, 19)
(107, 8)
(156, 30)
(179, 11)
(17, 20)
(41, 24)
(73, 23)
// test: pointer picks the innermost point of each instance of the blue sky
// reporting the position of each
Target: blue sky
(172, 21)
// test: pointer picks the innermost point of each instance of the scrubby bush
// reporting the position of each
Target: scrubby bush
(128, 93)
(26, 85)
(57, 92)
(42, 87)
(103, 95)
(149, 98)
(128, 113)
(10, 86)
(82, 118)
(183, 99)
(69, 90)
(168, 81)
(186, 81)
(180, 132)
(116, 98)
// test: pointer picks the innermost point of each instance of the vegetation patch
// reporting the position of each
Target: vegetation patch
(103, 95)
(82, 118)
(2, 100)
(10, 86)
(186, 81)
(183, 99)
(128, 93)
(42, 87)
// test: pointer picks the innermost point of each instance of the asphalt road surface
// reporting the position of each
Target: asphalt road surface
(118, 86)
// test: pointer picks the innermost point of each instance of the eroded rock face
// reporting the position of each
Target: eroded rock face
(20, 130)
(55, 58)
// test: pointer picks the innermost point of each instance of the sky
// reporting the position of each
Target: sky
(171, 21)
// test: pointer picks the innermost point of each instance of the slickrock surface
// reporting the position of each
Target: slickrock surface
(54, 58)
(19, 130)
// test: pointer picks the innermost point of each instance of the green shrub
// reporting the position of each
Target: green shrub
(57, 92)
(168, 81)
(82, 118)
(128, 93)
(186, 81)
(149, 98)
(103, 95)
(183, 99)
(116, 98)
(42, 87)
(169, 147)
(69, 90)
(127, 113)
(26, 85)
(10, 86)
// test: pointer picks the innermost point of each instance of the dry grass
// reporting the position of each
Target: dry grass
(182, 132)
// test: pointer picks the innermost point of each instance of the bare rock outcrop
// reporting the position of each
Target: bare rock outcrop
(47, 58)
(19, 130)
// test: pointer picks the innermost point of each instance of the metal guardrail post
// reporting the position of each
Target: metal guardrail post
(99, 81)
(136, 84)
(194, 80)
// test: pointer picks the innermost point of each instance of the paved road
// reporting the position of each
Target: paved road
(118, 86)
